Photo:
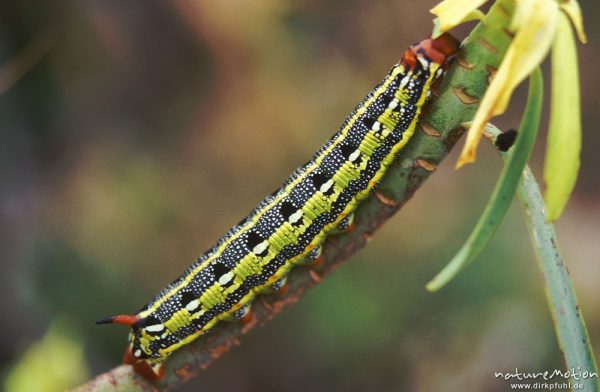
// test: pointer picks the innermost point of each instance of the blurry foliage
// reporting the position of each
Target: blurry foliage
(55, 363)
(150, 128)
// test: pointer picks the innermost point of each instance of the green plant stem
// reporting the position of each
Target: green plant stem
(438, 131)
(569, 324)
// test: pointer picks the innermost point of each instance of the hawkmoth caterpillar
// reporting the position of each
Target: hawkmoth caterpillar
(289, 227)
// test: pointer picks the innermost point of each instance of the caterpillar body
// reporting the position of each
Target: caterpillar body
(289, 227)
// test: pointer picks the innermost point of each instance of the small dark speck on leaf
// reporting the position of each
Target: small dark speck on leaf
(505, 140)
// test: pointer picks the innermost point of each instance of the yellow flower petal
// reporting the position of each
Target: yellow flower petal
(535, 23)
(454, 12)
(531, 44)
(571, 8)
(564, 132)
(473, 15)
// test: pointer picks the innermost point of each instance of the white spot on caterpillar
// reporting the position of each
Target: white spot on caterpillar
(226, 278)
(439, 72)
(394, 104)
(260, 248)
(155, 328)
(296, 216)
(137, 353)
(326, 186)
(376, 126)
(424, 63)
(354, 156)
(404, 81)
(192, 305)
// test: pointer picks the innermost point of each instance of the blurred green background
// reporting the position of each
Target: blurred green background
(134, 134)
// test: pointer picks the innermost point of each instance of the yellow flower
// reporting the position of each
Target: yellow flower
(538, 25)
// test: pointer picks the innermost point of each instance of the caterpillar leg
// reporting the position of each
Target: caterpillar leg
(347, 224)
(248, 317)
(239, 315)
(312, 258)
(280, 286)
(150, 370)
(243, 315)
(277, 287)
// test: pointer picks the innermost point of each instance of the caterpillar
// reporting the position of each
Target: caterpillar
(289, 227)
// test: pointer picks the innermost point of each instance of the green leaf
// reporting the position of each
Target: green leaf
(505, 187)
(564, 133)
(569, 324)
(567, 316)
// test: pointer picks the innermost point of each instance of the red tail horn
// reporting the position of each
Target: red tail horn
(123, 319)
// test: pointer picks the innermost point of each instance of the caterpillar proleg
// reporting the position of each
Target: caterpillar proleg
(289, 227)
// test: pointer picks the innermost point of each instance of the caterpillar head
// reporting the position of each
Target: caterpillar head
(426, 62)
(432, 50)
